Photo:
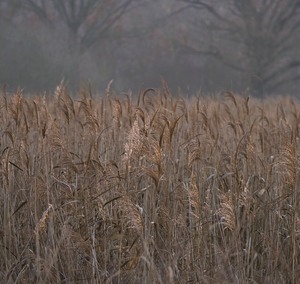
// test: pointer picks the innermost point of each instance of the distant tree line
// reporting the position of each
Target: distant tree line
(212, 45)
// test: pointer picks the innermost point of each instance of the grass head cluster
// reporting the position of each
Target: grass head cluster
(152, 189)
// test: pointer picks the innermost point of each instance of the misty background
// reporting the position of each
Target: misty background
(245, 46)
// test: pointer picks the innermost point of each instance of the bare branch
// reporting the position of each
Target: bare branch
(265, 32)
(89, 20)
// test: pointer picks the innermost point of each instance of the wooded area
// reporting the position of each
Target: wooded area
(209, 45)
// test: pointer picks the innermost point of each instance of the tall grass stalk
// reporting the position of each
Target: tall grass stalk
(158, 189)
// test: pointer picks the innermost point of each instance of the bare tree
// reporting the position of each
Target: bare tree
(257, 37)
(88, 20)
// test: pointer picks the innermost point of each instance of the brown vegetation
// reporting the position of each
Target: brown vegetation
(159, 189)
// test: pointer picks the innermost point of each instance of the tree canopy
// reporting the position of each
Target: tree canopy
(257, 37)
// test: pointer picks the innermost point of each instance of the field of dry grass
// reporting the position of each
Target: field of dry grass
(157, 189)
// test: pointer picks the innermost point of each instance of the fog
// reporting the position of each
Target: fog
(211, 46)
